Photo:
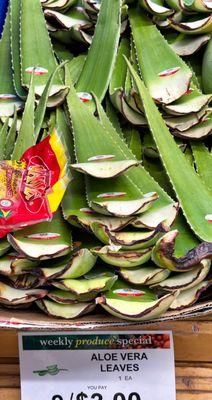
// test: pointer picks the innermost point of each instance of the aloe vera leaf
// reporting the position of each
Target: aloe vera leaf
(64, 297)
(140, 175)
(203, 162)
(190, 296)
(185, 45)
(113, 117)
(8, 100)
(11, 138)
(70, 36)
(75, 67)
(106, 169)
(15, 14)
(11, 296)
(26, 137)
(164, 89)
(187, 280)
(133, 139)
(200, 131)
(41, 108)
(70, 267)
(36, 49)
(163, 254)
(73, 17)
(102, 281)
(207, 68)
(184, 180)
(189, 103)
(14, 264)
(199, 25)
(67, 311)
(184, 122)
(3, 138)
(105, 44)
(118, 86)
(126, 259)
(156, 7)
(133, 199)
(198, 5)
(123, 307)
(146, 275)
(127, 240)
(42, 241)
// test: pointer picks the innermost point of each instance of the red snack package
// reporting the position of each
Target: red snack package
(31, 189)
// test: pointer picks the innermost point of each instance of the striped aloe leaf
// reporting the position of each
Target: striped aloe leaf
(184, 180)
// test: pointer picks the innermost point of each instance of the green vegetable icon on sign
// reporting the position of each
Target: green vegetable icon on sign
(51, 370)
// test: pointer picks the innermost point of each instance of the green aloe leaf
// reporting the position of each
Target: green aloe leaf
(194, 25)
(3, 138)
(36, 50)
(203, 161)
(185, 45)
(105, 44)
(184, 180)
(165, 74)
(15, 15)
(41, 108)
(8, 98)
(26, 137)
(66, 311)
(11, 138)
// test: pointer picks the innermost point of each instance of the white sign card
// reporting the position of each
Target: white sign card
(98, 365)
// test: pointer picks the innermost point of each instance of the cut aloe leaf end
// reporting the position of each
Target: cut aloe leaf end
(118, 258)
(132, 304)
(105, 170)
(190, 296)
(163, 254)
(91, 283)
(166, 215)
(122, 208)
(14, 264)
(67, 311)
(11, 296)
(146, 275)
(43, 241)
(70, 267)
(187, 280)
(127, 240)
(64, 297)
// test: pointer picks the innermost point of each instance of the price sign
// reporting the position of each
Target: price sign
(97, 365)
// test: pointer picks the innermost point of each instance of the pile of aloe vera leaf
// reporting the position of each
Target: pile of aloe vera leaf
(127, 85)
